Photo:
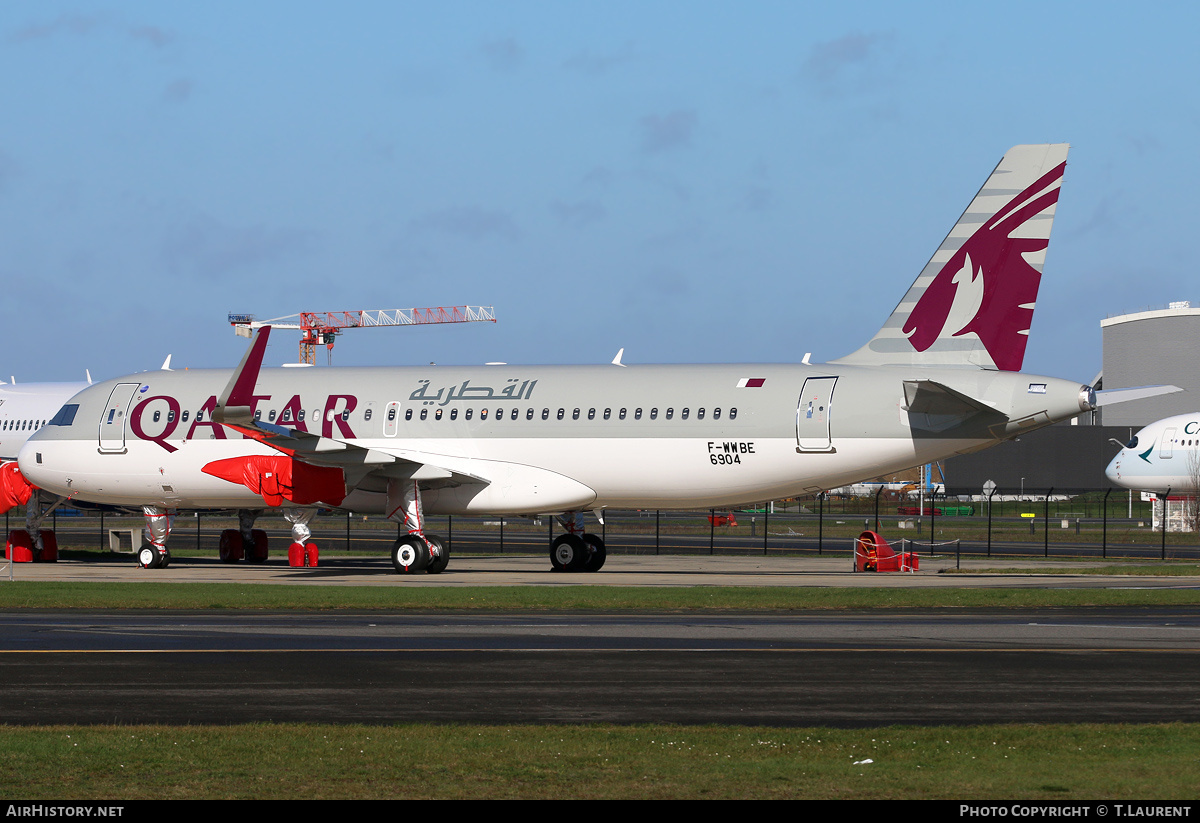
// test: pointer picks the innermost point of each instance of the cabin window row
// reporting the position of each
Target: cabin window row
(287, 415)
(22, 425)
(561, 414)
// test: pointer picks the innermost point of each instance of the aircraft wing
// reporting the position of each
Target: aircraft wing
(234, 410)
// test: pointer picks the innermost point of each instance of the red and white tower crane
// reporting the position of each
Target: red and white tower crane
(322, 328)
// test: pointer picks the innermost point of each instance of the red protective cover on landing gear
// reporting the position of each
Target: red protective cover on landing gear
(279, 478)
(19, 547)
(14, 488)
(302, 554)
(49, 547)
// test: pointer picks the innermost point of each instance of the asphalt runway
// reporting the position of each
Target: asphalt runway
(819, 669)
(797, 669)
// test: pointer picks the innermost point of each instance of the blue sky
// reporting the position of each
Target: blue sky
(695, 182)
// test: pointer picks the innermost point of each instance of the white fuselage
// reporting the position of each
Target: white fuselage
(505, 439)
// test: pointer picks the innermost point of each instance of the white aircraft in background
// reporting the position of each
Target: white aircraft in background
(1161, 458)
(940, 378)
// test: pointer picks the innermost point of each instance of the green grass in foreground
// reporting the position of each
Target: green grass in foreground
(1116, 569)
(1078, 762)
(106, 595)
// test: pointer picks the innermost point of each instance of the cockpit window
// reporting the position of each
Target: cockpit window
(1132, 444)
(65, 416)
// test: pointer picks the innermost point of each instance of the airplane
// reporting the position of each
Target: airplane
(1160, 458)
(24, 409)
(941, 377)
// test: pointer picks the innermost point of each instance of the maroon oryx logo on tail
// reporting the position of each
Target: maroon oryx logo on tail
(988, 287)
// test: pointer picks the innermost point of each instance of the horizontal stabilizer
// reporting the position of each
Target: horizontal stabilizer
(1110, 396)
(932, 397)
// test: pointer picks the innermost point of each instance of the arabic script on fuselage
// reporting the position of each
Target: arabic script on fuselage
(465, 392)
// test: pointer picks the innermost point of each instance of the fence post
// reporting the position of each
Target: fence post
(1046, 525)
(766, 523)
(1163, 499)
(989, 504)
(1104, 532)
(657, 512)
(820, 521)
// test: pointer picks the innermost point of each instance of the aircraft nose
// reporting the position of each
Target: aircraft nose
(1113, 471)
(31, 462)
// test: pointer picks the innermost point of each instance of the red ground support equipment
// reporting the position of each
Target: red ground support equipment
(873, 554)
(723, 519)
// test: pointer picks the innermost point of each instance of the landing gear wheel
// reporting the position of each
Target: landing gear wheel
(148, 557)
(230, 547)
(597, 553)
(440, 552)
(410, 555)
(257, 551)
(568, 553)
(165, 559)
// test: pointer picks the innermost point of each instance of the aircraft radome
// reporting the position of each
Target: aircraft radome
(941, 377)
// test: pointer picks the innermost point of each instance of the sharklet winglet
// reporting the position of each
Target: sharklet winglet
(236, 402)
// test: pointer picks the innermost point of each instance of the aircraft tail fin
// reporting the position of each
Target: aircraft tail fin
(973, 303)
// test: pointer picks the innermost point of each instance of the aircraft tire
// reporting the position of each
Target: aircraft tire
(597, 554)
(441, 555)
(148, 557)
(568, 553)
(230, 547)
(257, 552)
(410, 555)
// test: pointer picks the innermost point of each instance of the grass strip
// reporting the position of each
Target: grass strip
(421, 761)
(1112, 569)
(189, 596)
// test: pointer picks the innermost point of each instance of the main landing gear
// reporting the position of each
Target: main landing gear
(245, 542)
(414, 551)
(33, 544)
(577, 550)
